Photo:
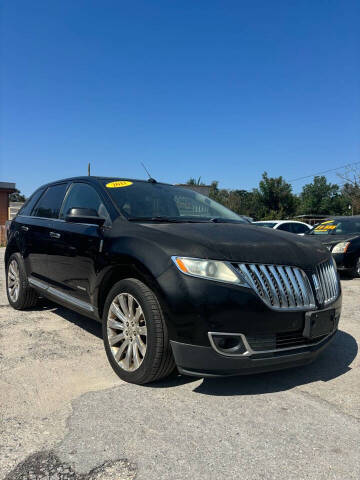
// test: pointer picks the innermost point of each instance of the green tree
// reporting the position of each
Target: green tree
(321, 197)
(193, 181)
(351, 194)
(275, 198)
(17, 196)
(239, 201)
(351, 188)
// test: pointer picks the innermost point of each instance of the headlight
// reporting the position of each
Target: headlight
(209, 269)
(341, 247)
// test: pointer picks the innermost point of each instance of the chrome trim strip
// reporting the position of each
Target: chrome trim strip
(271, 285)
(276, 275)
(71, 299)
(37, 283)
(58, 220)
(283, 275)
(63, 296)
(249, 351)
(326, 283)
(43, 218)
(297, 291)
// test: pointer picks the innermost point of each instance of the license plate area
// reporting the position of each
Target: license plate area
(318, 324)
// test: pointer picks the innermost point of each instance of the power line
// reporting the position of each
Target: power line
(325, 171)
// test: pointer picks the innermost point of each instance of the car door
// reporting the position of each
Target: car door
(35, 229)
(75, 247)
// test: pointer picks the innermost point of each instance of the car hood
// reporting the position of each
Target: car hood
(235, 243)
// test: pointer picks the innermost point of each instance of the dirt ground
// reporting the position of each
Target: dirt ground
(65, 415)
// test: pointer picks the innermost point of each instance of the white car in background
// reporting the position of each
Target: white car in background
(300, 228)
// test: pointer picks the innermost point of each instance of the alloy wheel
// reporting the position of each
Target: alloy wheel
(127, 332)
(358, 267)
(14, 280)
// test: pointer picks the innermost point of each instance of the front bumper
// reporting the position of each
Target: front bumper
(194, 307)
(200, 314)
(204, 361)
(345, 261)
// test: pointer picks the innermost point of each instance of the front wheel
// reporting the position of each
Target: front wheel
(135, 334)
(356, 270)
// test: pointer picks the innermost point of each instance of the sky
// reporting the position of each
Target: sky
(221, 90)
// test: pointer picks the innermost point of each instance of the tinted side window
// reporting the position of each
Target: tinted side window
(30, 202)
(50, 203)
(82, 195)
(285, 227)
(298, 228)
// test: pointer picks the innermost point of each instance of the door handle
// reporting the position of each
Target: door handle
(23, 227)
(54, 235)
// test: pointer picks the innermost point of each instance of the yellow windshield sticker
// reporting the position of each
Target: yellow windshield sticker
(119, 184)
(323, 227)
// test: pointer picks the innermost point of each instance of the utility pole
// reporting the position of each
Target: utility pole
(89, 169)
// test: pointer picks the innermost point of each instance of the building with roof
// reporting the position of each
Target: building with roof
(5, 189)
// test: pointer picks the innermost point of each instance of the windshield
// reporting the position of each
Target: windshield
(266, 224)
(153, 201)
(337, 227)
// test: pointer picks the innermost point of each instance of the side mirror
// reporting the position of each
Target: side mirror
(84, 215)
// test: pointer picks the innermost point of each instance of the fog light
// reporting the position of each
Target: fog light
(227, 344)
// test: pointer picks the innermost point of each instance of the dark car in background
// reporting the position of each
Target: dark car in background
(341, 235)
(176, 279)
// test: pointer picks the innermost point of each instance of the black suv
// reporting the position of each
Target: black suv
(341, 235)
(176, 279)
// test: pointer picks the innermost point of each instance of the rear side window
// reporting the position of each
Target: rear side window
(30, 202)
(50, 203)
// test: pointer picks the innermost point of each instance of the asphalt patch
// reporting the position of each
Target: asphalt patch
(47, 466)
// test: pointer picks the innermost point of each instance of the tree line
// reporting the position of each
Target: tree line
(274, 197)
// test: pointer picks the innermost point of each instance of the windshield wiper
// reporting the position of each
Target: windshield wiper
(226, 220)
(183, 220)
(156, 219)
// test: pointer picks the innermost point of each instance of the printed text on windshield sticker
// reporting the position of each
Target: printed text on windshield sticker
(323, 227)
(119, 184)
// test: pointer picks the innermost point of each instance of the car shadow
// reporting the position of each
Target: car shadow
(332, 363)
(87, 324)
(345, 276)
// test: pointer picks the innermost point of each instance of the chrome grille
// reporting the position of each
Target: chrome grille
(280, 287)
(326, 283)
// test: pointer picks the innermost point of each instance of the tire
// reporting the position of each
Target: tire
(355, 273)
(135, 320)
(19, 293)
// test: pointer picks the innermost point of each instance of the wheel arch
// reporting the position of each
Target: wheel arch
(130, 269)
(12, 247)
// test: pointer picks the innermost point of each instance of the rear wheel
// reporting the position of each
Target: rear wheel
(135, 333)
(19, 293)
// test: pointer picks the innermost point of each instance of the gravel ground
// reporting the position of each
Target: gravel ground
(65, 415)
